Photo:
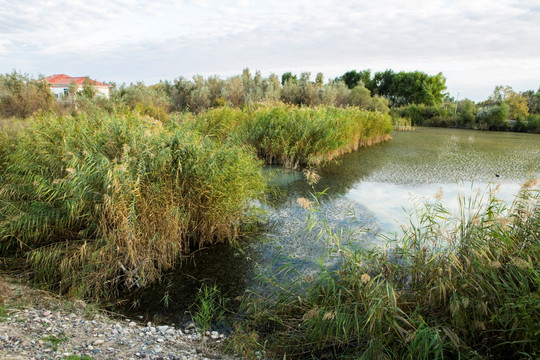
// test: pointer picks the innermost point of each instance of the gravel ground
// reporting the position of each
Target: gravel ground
(35, 325)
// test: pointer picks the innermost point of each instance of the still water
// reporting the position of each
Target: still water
(367, 194)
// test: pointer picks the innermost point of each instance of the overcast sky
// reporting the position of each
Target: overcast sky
(476, 44)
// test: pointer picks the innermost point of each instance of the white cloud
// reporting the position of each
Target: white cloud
(131, 40)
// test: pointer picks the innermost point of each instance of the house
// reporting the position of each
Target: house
(60, 83)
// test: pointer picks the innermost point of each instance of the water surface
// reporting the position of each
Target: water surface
(367, 193)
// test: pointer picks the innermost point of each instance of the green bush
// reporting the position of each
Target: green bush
(533, 124)
(493, 117)
(22, 96)
(428, 115)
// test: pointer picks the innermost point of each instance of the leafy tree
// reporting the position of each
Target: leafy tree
(351, 78)
(21, 95)
(234, 91)
(379, 103)
(494, 117)
(88, 90)
(288, 77)
(466, 114)
(517, 103)
(533, 101)
(409, 87)
(360, 96)
(382, 82)
(319, 79)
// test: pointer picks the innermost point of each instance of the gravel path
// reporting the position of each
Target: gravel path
(34, 325)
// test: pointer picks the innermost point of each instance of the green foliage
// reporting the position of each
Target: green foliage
(4, 312)
(533, 124)
(288, 77)
(22, 96)
(354, 78)
(360, 96)
(516, 103)
(401, 88)
(493, 117)
(209, 308)
(54, 341)
(88, 90)
(452, 287)
(533, 101)
(429, 115)
(466, 114)
(108, 202)
(151, 101)
(311, 136)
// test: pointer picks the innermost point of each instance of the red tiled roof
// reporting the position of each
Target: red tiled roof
(63, 80)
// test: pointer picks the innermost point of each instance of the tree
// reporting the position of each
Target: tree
(360, 96)
(88, 90)
(466, 114)
(517, 103)
(382, 82)
(533, 100)
(288, 77)
(319, 80)
(21, 96)
(351, 78)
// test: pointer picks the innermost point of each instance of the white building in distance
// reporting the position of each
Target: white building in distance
(60, 83)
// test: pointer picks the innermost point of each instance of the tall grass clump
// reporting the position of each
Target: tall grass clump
(455, 286)
(294, 136)
(98, 204)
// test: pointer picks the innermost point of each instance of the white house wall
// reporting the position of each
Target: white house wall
(58, 92)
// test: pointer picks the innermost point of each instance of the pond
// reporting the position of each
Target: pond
(368, 194)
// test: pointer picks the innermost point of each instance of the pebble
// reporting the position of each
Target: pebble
(21, 334)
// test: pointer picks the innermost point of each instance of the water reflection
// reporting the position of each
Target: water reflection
(392, 203)
(368, 192)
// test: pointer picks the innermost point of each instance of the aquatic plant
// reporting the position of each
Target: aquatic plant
(209, 308)
(97, 204)
(453, 286)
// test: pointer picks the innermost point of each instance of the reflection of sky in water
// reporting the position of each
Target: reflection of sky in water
(377, 184)
(391, 203)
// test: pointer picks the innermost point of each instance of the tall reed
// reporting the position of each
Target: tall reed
(464, 286)
(97, 204)
(294, 136)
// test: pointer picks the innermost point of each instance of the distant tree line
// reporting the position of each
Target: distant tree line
(400, 88)
(415, 95)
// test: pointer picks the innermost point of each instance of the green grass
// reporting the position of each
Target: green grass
(209, 308)
(4, 312)
(296, 136)
(54, 341)
(103, 203)
(465, 286)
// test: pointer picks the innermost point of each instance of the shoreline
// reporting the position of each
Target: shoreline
(35, 324)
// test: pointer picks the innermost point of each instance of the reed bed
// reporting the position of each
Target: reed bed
(100, 204)
(297, 136)
(455, 287)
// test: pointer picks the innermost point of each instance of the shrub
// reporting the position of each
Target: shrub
(21, 96)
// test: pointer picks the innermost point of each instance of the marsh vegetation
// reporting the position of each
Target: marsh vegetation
(101, 197)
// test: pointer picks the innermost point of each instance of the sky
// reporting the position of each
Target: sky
(476, 44)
